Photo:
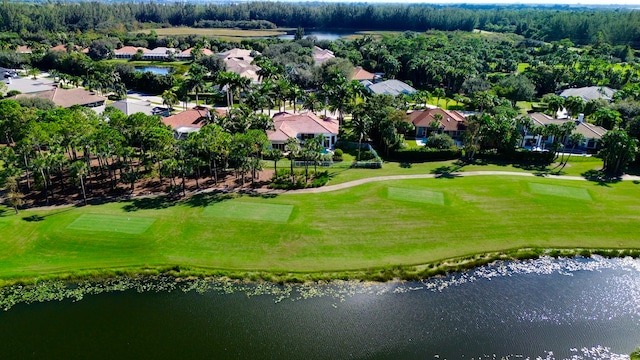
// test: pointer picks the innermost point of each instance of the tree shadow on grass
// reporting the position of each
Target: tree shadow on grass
(33, 218)
(151, 203)
(4, 212)
(203, 200)
(599, 177)
(447, 171)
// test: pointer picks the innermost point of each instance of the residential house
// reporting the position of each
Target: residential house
(448, 122)
(128, 107)
(390, 87)
(69, 97)
(321, 55)
(159, 53)
(127, 52)
(191, 120)
(302, 126)
(361, 74)
(591, 133)
(186, 54)
(240, 54)
(239, 62)
(590, 93)
(244, 69)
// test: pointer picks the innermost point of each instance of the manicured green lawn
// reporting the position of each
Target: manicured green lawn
(367, 226)
(577, 166)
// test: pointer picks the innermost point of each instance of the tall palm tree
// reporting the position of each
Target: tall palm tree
(292, 146)
(196, 82)
(79, 169)
(169, 98)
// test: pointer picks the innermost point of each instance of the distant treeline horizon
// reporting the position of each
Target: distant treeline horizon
(582, 25)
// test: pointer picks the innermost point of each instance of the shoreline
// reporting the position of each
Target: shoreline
(383, 274)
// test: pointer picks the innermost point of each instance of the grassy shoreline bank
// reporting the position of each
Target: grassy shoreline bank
(383, 274)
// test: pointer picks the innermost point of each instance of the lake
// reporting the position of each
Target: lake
(158, 70)
(547, 308)
(320, 35)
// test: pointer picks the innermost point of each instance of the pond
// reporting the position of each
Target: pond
(158, 70)
(547, 308)
(320, 35)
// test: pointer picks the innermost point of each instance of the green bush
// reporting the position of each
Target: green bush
(440, 142)
(337, 155)
(282, 180)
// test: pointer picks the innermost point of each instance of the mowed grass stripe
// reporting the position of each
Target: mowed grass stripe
(111, 223)
(250, 211)
(562, 191)
(414, 195)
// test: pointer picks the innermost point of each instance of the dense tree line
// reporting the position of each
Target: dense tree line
(582, 26)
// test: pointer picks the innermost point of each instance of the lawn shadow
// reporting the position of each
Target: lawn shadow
(203, 200)
(150, 203)
(33, 218)
(598, 176)
(4, 212)
(447, 171)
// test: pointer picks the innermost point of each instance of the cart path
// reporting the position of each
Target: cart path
(435, 176)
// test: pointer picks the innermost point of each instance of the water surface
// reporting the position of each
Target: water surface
(546, 308)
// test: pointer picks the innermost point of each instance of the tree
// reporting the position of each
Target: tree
(292, 146)
(361, 124)
(515, 88)
(196, 81)
(79, 170)
(607, 118)
(554, 103)
(574, 104)
(299, 34)
(169, 98)
(275, 155)
(33, 72)
(438, 93)
(575, 140)
(14, 196)
(618, 149)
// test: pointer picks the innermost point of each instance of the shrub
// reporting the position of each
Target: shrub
(440, 141)
(337, 155)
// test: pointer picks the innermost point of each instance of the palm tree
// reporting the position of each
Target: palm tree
(292, 145)
(33, 72)
(575, 139)
(79, 169)
(276, 155)
(196, 80)
(361, 123)
(169, 98)
(438, 93)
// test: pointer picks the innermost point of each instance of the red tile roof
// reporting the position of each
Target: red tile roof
(195, 118)
(361, 74)
(129, 50)
(451, 120)
(291, 125)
